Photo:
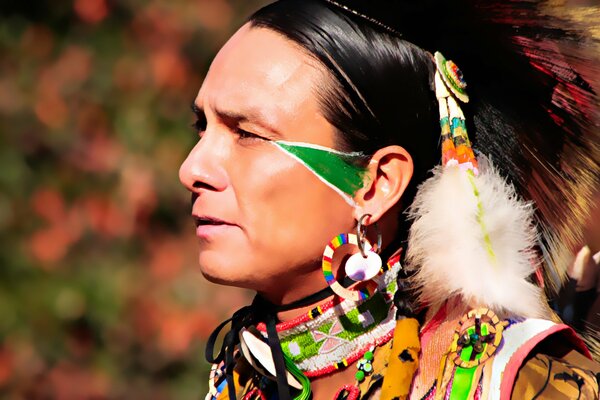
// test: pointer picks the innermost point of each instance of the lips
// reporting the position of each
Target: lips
(205, 220)
(209, 226)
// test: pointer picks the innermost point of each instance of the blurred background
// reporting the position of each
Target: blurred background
(100, 297)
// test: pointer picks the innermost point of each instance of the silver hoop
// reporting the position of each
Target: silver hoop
(361, 234)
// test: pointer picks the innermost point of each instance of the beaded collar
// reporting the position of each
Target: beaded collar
(338, 332)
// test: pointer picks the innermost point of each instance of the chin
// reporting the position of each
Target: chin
(217, 279)
(223, 270)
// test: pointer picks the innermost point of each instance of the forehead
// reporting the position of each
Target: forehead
(260, 69)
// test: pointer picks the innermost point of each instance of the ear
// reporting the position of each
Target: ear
(388, 175)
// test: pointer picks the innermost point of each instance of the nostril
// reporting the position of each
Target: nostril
(202, 185)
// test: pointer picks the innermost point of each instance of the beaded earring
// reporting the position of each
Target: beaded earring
(362, 266)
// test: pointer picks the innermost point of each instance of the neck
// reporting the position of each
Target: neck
(302, 286)
(289, 315)
(289, 290)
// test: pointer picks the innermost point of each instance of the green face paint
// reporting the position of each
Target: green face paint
(336, 169)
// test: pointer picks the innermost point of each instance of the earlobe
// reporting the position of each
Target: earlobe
(387, 177)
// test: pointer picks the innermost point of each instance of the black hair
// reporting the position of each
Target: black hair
(519, 114)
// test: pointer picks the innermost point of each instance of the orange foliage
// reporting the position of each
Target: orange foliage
(68, 381)
(104, 217)
(72, 67)
(50, 108)
(48, 204)
(6, 365)
(214, 14)
(50, 245)
(166, 260)
(130, 74)
(37, 41)
(169, 69)
(159, 26)
(91, 11)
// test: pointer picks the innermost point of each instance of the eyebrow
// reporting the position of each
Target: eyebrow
(252, 116)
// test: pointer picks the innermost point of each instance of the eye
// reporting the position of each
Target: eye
(248, 135)
(199, 126)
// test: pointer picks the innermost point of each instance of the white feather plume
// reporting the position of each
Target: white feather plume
(447, 246)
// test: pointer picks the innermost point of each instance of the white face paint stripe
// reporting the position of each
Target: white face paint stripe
(323, 148)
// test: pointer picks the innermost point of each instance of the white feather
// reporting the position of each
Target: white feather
(447, 247)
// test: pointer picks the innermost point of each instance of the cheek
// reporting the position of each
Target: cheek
(290, 214)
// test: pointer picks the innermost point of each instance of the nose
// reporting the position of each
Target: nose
(203, 169)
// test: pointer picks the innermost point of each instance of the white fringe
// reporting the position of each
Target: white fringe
(447, 248)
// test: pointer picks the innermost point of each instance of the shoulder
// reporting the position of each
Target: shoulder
(549, 361)
(572, 376)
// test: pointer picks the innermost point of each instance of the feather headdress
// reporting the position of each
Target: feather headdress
(535, 115)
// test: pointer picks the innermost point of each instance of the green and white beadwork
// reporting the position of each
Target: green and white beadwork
(341, 334)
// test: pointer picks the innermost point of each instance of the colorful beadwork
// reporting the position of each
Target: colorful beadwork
(315, 312)
(453, 77)
(216, 372)
(360, 293)
(347, 392)
(455, 74)
(450, 84)
(254, 394)
(476, 338)
(336, 334)
(456, 147)
(364, 366)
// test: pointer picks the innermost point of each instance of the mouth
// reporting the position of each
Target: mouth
(207, 220)
(207, 226)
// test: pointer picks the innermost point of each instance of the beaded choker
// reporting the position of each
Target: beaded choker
(337, 333)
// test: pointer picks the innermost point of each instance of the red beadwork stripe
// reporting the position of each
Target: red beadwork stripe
(256, 393)
(283, 326)
(352, 390)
